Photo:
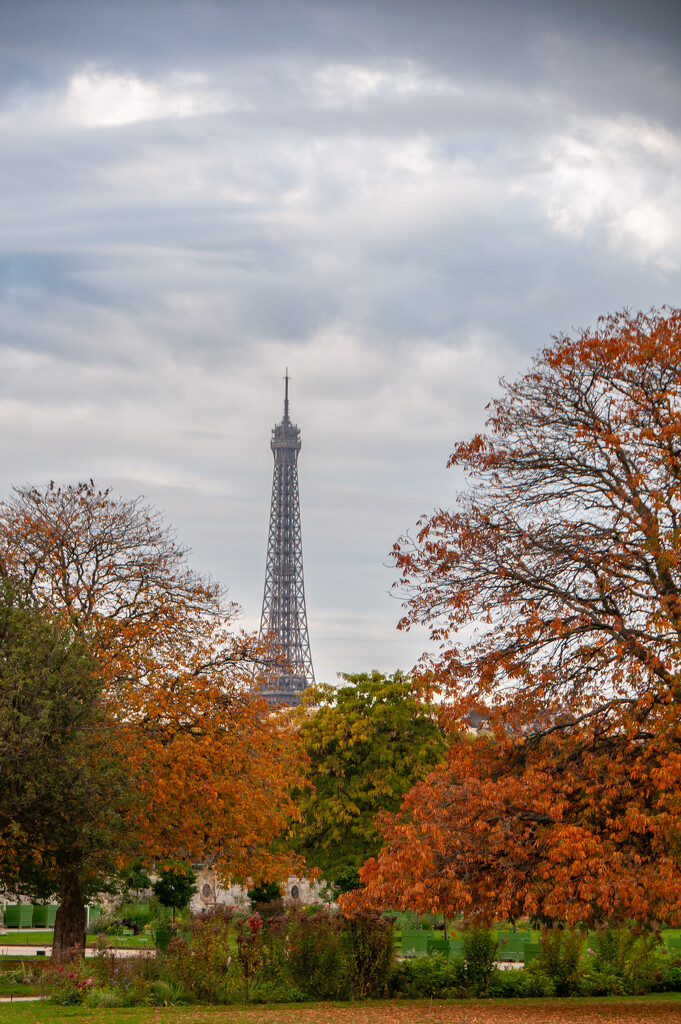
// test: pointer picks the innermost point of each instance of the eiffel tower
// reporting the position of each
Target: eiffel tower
(284, 617)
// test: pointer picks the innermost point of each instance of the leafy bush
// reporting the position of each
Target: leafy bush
(346, 881)
(100, 925)
(479, 955)
(318, 955)
(670, 979)
(520, 984)
(559, 959)
(373, 954)
(621, 961)
(166, 993)
(429, 976)
(135, 916)
(200, 967)
(104, 997)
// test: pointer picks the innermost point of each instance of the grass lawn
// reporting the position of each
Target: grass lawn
(43, 939)
(27, 938)
(536, 1011)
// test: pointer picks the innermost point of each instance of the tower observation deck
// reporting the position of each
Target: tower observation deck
(284, 616)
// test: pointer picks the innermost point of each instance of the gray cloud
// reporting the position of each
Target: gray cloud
(400, 202)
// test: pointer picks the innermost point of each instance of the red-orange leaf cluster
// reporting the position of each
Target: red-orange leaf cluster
(554, 594)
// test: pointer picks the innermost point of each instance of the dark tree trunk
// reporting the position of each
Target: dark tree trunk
(69, 926)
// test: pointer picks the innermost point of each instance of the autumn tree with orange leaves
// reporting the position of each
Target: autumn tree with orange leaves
(209, 768)
(553, 592)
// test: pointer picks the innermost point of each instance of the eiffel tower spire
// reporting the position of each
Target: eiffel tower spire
(284, 616)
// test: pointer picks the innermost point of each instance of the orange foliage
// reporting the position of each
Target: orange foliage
(560, 568)
(211, 768)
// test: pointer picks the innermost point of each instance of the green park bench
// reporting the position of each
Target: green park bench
(674, 944)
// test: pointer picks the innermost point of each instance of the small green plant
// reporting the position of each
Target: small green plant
(166, 993)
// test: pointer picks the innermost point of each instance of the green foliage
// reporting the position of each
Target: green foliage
(199, 968)
(559, 959)
(367, 742)
(346, 881)
(135, 877)
(373, 954)
(479, 956)
(60, 787)
(620, 960)
(520, 984)
(264, 892)
(318, 955)
(175, 885)
(429, 976)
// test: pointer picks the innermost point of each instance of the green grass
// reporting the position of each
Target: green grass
(43, 939)
(27, 938)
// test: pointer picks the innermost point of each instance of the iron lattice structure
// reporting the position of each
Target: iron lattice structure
(284, 616)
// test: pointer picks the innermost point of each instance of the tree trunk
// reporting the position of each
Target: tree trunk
(69, 926)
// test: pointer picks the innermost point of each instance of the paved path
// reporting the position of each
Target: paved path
(18, 950)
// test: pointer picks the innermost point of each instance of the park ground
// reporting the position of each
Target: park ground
(646, 1010)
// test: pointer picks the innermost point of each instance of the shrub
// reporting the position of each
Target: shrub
(429, 976)
(520, 984)
(200, 967)
(104, 997)
(165, 993)
(70, 983)
(318, 955)
(100, 925)
(559, 959)
(621, 961)
(373, 954)
(479, 955)
(249, 949)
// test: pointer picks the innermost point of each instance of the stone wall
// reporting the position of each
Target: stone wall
(211, 893)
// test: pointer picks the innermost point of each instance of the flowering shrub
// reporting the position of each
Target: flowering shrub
(70, 985)
(202, 966)
(249, 946)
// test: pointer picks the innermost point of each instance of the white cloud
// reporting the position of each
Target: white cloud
(620, 176)
(92, 98)
(337, 84)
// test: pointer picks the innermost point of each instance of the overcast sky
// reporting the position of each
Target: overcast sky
(400, 201)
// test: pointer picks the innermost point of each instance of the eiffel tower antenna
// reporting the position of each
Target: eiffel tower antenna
(284, 616)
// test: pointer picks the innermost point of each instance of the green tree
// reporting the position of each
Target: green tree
(367, 742)
(62, 780)
(175, 886)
